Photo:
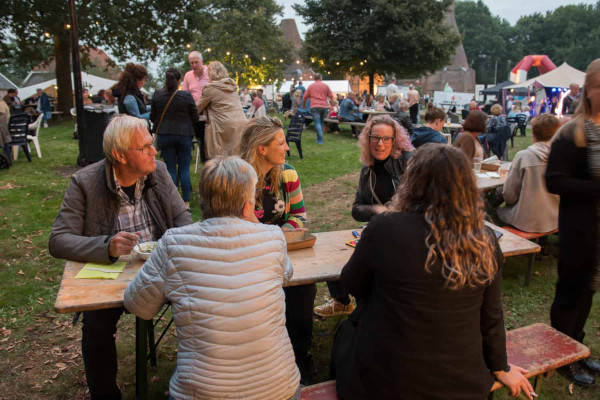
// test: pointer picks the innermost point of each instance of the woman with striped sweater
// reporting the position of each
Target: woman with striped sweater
(279, 202)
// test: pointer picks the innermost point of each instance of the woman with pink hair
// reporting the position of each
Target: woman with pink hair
(385, 150)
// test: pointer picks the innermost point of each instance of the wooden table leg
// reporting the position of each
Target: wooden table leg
(141, 358)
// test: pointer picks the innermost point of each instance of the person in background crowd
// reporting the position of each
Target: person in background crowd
(226, 119)
(100, 97)
(497, 120)
(571, 101)
(44, 107)
(349, 112)
(173, 116)
(431, 132)
(5, 138)
(108, 207)
(229, 311)
(130, 98)
(392, 89)
(319, 94)
(412, 96)
(382, 104)
(468, 140)
(385, 151)
(429, 322)
(529, 206)
(453, 115)
(333, 114)
(509, 103)
(301, 87)
(367, 103)
(245, 99)
(86, 97)
(279, 201)
(13, 100)
(258, 105)
(197, 78)
(286, 102)
(573, 174)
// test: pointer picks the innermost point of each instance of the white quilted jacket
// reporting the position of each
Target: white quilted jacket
(223, 278)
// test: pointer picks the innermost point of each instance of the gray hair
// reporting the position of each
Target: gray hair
(226, 184)
(118, 134)
(195, 54)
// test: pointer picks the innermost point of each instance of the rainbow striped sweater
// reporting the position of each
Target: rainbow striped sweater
(289, 208)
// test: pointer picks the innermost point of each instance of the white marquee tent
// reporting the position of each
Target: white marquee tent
(335, 86)
(91, 82)
(562, 76)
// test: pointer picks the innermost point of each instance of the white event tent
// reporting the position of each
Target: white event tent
(91, 82)
(562, 76)
(335, 86)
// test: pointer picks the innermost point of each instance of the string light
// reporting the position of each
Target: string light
(47, 34)
(297, 61)
(188, 46)
(228, 53)
(361, 63)
(280, 60)
(245, 55)
(67, 26)
(208, 50)
(337, 63)
(264, 58)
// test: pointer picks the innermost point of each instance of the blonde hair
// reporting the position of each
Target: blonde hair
(217, 71)
(261, 132)
(118, 134)
(440, 184)
(496, 109)
(226, 184)
(401, 139)
(585, 105)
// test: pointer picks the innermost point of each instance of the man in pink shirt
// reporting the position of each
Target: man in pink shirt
(319, 95)
(195, 80)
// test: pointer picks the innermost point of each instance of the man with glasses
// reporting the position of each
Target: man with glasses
(108, 207)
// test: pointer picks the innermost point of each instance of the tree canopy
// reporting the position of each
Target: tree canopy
(146, 30)
(403, 37)
(567, 34)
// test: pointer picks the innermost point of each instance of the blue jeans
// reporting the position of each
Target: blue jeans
(176, 150)
(46, 116)
(319, 115)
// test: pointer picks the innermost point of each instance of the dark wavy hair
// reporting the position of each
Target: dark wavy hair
(440, 184)
(131, 75)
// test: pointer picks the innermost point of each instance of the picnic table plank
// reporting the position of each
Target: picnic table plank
(323, 262)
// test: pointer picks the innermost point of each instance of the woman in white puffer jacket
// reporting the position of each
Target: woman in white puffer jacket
(223, 277)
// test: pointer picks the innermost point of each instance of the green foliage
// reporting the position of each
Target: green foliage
(487, 41)
(402, 37)
(567, 34)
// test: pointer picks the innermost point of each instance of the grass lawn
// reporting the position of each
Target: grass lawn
(40, 350)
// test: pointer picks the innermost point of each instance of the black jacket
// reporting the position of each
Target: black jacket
(414, 338)
(364, 199)
(567, 175)
(179, 118)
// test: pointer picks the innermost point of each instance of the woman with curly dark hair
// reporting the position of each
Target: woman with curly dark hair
(429, 322)
(127, 91)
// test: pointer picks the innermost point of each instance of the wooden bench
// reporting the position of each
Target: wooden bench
(336, 121)
(533, 237)
(538, 348)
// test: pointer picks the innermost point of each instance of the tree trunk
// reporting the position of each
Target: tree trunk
(63, 72)
(372, 83)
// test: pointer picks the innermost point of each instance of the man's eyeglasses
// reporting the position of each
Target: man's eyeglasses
(147, 149)
(385, 139)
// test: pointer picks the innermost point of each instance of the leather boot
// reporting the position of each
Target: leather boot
(577, 374)
(591, 365)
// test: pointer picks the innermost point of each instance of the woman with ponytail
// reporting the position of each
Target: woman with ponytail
(173, 115)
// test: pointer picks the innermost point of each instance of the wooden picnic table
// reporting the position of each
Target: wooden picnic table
(323, 262)
(486, 183)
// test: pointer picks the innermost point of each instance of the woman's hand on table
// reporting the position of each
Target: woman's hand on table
(516, 382)
(122, 243)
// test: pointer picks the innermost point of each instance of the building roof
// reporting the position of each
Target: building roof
(98, 61)
(6, 83)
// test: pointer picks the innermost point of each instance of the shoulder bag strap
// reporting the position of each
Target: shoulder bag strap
(164, 111)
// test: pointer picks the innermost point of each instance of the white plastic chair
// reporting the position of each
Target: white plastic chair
(35, 127)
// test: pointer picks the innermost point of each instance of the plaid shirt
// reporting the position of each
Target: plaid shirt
(134, 216)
